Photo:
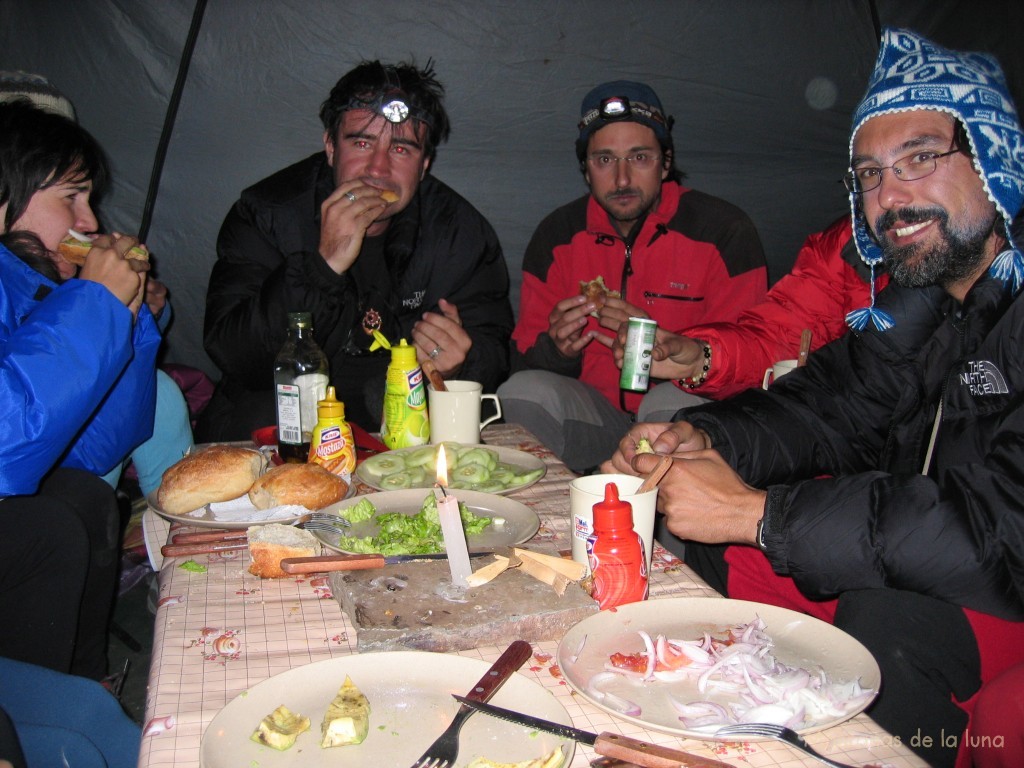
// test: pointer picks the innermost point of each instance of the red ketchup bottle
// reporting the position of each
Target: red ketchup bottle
(616, 553)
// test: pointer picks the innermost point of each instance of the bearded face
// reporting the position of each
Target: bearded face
(957, 254)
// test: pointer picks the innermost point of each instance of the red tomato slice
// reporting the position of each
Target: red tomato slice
(634, 662)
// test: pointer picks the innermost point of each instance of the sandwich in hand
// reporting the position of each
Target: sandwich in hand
(597, 292)
(76, 246)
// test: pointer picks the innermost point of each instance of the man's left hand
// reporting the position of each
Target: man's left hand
(441, 338)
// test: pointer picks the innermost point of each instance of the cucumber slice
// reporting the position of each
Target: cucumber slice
(382, 464)
(480, 456)
(528, 477)
(503, 473)
(422, 457)
(396, 481)
(468, 474)
(491, 486)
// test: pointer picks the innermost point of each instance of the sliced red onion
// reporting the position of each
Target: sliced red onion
(579, 649)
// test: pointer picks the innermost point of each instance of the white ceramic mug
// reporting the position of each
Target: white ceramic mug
(777, 371)
(585, 492)
(455, 414)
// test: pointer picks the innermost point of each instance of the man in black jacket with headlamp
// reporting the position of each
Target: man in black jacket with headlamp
(361, 236)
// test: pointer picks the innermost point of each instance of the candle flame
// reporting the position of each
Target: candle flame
(442, 467)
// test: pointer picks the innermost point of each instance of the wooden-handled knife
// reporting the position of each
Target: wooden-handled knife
(609, 744)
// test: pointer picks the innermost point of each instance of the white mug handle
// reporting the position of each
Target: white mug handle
(767, 377)
(497, 407)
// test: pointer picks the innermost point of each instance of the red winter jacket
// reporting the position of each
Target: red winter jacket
(827, 281)
(696, 258)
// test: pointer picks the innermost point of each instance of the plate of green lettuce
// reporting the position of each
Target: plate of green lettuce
(406, 523)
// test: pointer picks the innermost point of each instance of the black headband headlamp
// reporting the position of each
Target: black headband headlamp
(392, 106)
(621, 108)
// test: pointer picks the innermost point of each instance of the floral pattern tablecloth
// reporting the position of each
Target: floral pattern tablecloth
(221, 631)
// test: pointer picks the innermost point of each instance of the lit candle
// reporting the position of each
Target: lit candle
(451, 525)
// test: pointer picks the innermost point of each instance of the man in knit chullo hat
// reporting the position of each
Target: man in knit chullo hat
(881, 487)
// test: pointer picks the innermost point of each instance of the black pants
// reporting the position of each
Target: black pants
(59, 555)
(925, 648)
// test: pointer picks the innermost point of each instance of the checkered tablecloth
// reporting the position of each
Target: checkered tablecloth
(220, 632)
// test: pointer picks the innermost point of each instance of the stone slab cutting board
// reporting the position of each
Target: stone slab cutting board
(402, 607)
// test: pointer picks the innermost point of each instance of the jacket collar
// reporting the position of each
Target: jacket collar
(599, 223)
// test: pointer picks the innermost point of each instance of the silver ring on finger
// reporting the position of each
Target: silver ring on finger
(351, 198)
(435, 352)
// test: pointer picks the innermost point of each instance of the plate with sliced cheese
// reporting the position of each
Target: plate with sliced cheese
(377, 709)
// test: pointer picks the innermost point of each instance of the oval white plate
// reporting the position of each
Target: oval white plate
(520, 522)
(205, 518)
(410, 705)
(525, 462)
(799, 640)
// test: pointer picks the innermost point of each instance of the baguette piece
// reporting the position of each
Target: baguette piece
(308, 485)
(270, 544)
(216, 473)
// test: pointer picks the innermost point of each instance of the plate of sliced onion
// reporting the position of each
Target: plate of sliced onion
(689, 666)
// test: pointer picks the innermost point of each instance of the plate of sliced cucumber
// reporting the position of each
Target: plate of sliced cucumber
(484, 468)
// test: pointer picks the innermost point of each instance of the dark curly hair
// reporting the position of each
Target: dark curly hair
(366, 87)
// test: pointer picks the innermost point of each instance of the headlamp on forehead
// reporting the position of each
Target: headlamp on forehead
(392, 107)
(621, 108)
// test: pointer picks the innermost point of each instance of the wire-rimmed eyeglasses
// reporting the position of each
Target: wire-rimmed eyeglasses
(909, 168)
(640, 161)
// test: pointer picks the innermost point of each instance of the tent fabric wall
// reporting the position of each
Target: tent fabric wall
(761, 93)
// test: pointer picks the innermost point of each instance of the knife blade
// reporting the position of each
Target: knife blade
(605, 743)
(325, 563)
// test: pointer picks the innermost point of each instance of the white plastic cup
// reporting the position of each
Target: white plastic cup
(585, 492)
(455, 414)
(777, 371)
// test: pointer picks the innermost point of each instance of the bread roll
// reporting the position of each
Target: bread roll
(217, 473)
(270, 544)
(308, 485)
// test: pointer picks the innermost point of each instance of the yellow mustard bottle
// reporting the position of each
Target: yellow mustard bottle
(332, 446)
(405, 420)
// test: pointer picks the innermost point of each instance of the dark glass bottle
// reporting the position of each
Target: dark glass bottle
(300, 381)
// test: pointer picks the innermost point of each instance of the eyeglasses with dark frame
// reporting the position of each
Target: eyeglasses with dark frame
(639, 161)
(910, 168)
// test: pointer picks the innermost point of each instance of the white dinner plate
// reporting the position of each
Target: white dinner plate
(513, 523)
(799, 640)
(410, 695)
(521, 460)
(205, 518)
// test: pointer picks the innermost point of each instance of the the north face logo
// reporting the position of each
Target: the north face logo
(983, 378)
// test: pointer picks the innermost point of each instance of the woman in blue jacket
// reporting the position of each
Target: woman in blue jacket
(77, 373)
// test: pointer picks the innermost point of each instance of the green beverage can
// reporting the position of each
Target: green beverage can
(636, 358)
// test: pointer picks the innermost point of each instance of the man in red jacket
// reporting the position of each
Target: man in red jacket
(828, 281)
(666, 252)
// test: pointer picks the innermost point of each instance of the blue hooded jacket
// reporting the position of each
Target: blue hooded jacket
(77, 376)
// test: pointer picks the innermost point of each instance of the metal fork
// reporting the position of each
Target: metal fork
(442, 753)
(779, 732)
(322, 521)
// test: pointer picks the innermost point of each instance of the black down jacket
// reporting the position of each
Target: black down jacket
(862, 413)
(268, 265)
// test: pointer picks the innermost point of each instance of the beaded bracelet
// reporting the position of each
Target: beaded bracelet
(693, 383)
